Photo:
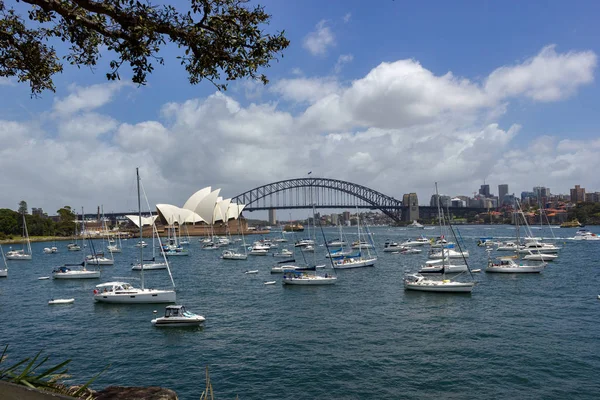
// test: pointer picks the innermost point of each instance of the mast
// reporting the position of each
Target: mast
(137, 173)
(437, 196)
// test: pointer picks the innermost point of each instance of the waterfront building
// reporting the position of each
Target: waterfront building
(502, 192)
(484, 190)
(577, 194)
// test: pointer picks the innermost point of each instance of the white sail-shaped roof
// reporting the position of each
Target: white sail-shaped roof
(205, 209)
(145, 220)
(234, 210)
(192, 203)
(220, 213)
(173, 214)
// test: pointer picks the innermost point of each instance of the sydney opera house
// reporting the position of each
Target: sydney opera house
(204, 213)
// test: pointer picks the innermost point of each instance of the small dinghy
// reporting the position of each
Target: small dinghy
(270, 282)
(476, 270)
(42, 278)
(61, 301)
(178, 316)
(255, 271)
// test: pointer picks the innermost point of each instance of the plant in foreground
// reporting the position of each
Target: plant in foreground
(27, 373)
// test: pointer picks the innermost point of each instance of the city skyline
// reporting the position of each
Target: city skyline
(395, 100)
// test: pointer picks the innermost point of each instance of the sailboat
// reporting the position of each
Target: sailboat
(124, 292)
(511, 265)
(3, 271)
(232, 254)
(356, 260)
(65, 272)
(420, 283)
(21, 254)
(74, 246)
(308, 276)
(152, 263)
(95, 258)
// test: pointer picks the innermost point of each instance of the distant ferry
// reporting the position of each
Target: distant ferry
(571, 224)
(293, 228)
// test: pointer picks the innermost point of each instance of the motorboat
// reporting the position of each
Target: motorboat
(508, 265)
(307, 279)
(65, 272)
(416, 242)
(410, 250)
(4, 273)
(585, 234)
(232, 255)
(123, 292)
(423, 284)
(50, 250)
(536, 246)
(258, 252)
(415, 224)
(141, 244)
(393, 246)
(485, 242)
(73, 247)
(439, 243)
(178, 316)
(210, 246)
(507, 246)
(308, 249)
(284, 253)
(304, 242)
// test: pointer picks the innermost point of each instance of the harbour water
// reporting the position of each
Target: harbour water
(516, 336)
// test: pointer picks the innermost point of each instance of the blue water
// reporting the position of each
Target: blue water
(516, 336)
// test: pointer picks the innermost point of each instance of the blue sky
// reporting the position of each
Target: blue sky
(394, 96)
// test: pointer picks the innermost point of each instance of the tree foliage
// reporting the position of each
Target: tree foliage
(23, 209)
(218, 38)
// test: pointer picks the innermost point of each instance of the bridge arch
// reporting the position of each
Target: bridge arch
(370, 198)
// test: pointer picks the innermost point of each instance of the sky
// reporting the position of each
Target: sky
(392, 95)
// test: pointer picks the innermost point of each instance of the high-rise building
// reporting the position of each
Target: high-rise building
(334, 219)
(410, 209)
(577, 194)
(272, 217)
(484, 190)
(502, 192)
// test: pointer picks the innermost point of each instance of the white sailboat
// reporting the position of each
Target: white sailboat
(125, 293)
(420, 283)
(74, 246)
(21, 254)
(65, 272)
(230, 254)
(356, 260)
(509, 265)
(308, 276)
(3, 271)
(96, 258)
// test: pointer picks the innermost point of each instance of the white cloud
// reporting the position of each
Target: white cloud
(305, 89)
(87, 98)
(548, 76)
(318, 41)
(346, 18)
(342, 59)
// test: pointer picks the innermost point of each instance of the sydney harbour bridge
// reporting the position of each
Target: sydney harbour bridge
(304, 193)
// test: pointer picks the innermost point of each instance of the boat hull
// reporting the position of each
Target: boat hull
(355, 264)
(441, 287)
(149, 266)
(525, 269)
(310, 281)
(178, 321)
(76, 275)
(3, 273)
(138, 296)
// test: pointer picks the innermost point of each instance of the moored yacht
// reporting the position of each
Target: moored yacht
(178, 316)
